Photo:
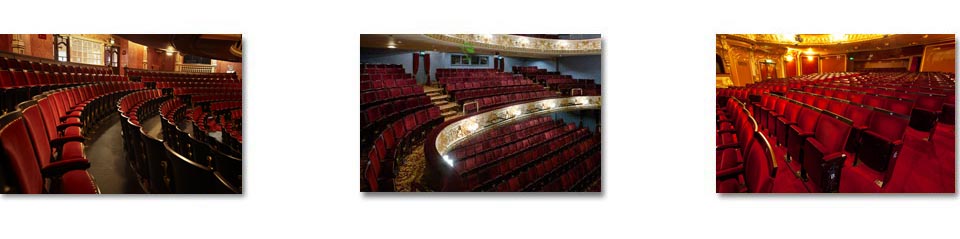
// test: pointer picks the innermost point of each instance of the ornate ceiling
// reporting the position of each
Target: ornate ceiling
(505, 44)
(836, 43)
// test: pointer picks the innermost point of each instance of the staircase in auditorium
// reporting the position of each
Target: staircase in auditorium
(448, 110)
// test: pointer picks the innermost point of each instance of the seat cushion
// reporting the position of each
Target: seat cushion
(72, 150)
(728, 158)
(78, 182)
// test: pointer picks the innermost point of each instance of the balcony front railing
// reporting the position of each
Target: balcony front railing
(196, 68)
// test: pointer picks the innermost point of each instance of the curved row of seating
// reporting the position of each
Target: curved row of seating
(384, 157)
(388, 83)
(42, 140)
(500, 100)
(466, 95)
(476, 77)
(21, 85)
(208, 118)
(170, 76)
(176, 160)
(537, 154)
(395, 113)
(385, 95)
(380, 68)
(502, 135)
(198, 167)
(15, 64)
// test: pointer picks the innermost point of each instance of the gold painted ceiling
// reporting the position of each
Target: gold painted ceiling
(838, 43)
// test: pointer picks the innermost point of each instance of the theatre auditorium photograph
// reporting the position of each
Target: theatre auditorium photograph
(835, 113)
(480, 112)
(121, 114)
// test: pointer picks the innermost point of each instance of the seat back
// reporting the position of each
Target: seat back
(37, 129)
(888, 125)
(19, 156)
(760, 168)
(832, 133)
(807, 120)
(900, 106)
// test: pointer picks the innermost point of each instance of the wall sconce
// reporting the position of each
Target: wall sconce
(789, 58)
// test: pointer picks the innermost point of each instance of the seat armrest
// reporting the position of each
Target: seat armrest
(724, 173)
(59, 142)
(834, 156)
(60, 167)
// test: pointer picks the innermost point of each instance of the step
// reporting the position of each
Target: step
(439, 98)
(449, 106)
(431, 90)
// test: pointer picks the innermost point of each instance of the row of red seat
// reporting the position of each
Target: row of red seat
(500, 76)
(43, 141)
(374, 97)
(922, 108)
(380, 68)
(485, 159)
(381, 84)
(536, 154)
(15, 64)
(499, 100)
(502, 135)
(19, 86)
(582, 172)
(166, 76)
(396, 140)
(384, 76)
(219, 96)
(467, 95)
(373, 119)
(222, 85)
(826, 132)
(197, 164)
(527, 69)
(453, 87)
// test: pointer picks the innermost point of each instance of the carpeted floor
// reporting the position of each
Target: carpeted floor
(108, 166)
(923, 167)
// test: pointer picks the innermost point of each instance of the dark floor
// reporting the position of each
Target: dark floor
(110, 170)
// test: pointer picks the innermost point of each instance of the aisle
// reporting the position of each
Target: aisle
(107, 164)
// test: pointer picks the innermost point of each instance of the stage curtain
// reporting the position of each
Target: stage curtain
(416, 63)
(426, 66)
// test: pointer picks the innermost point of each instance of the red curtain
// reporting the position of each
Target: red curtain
(416, 63)
(426, 66)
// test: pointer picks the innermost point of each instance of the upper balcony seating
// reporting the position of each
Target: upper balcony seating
(171, 76)
(32, 65)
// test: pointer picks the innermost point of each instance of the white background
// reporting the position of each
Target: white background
(301, 61)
